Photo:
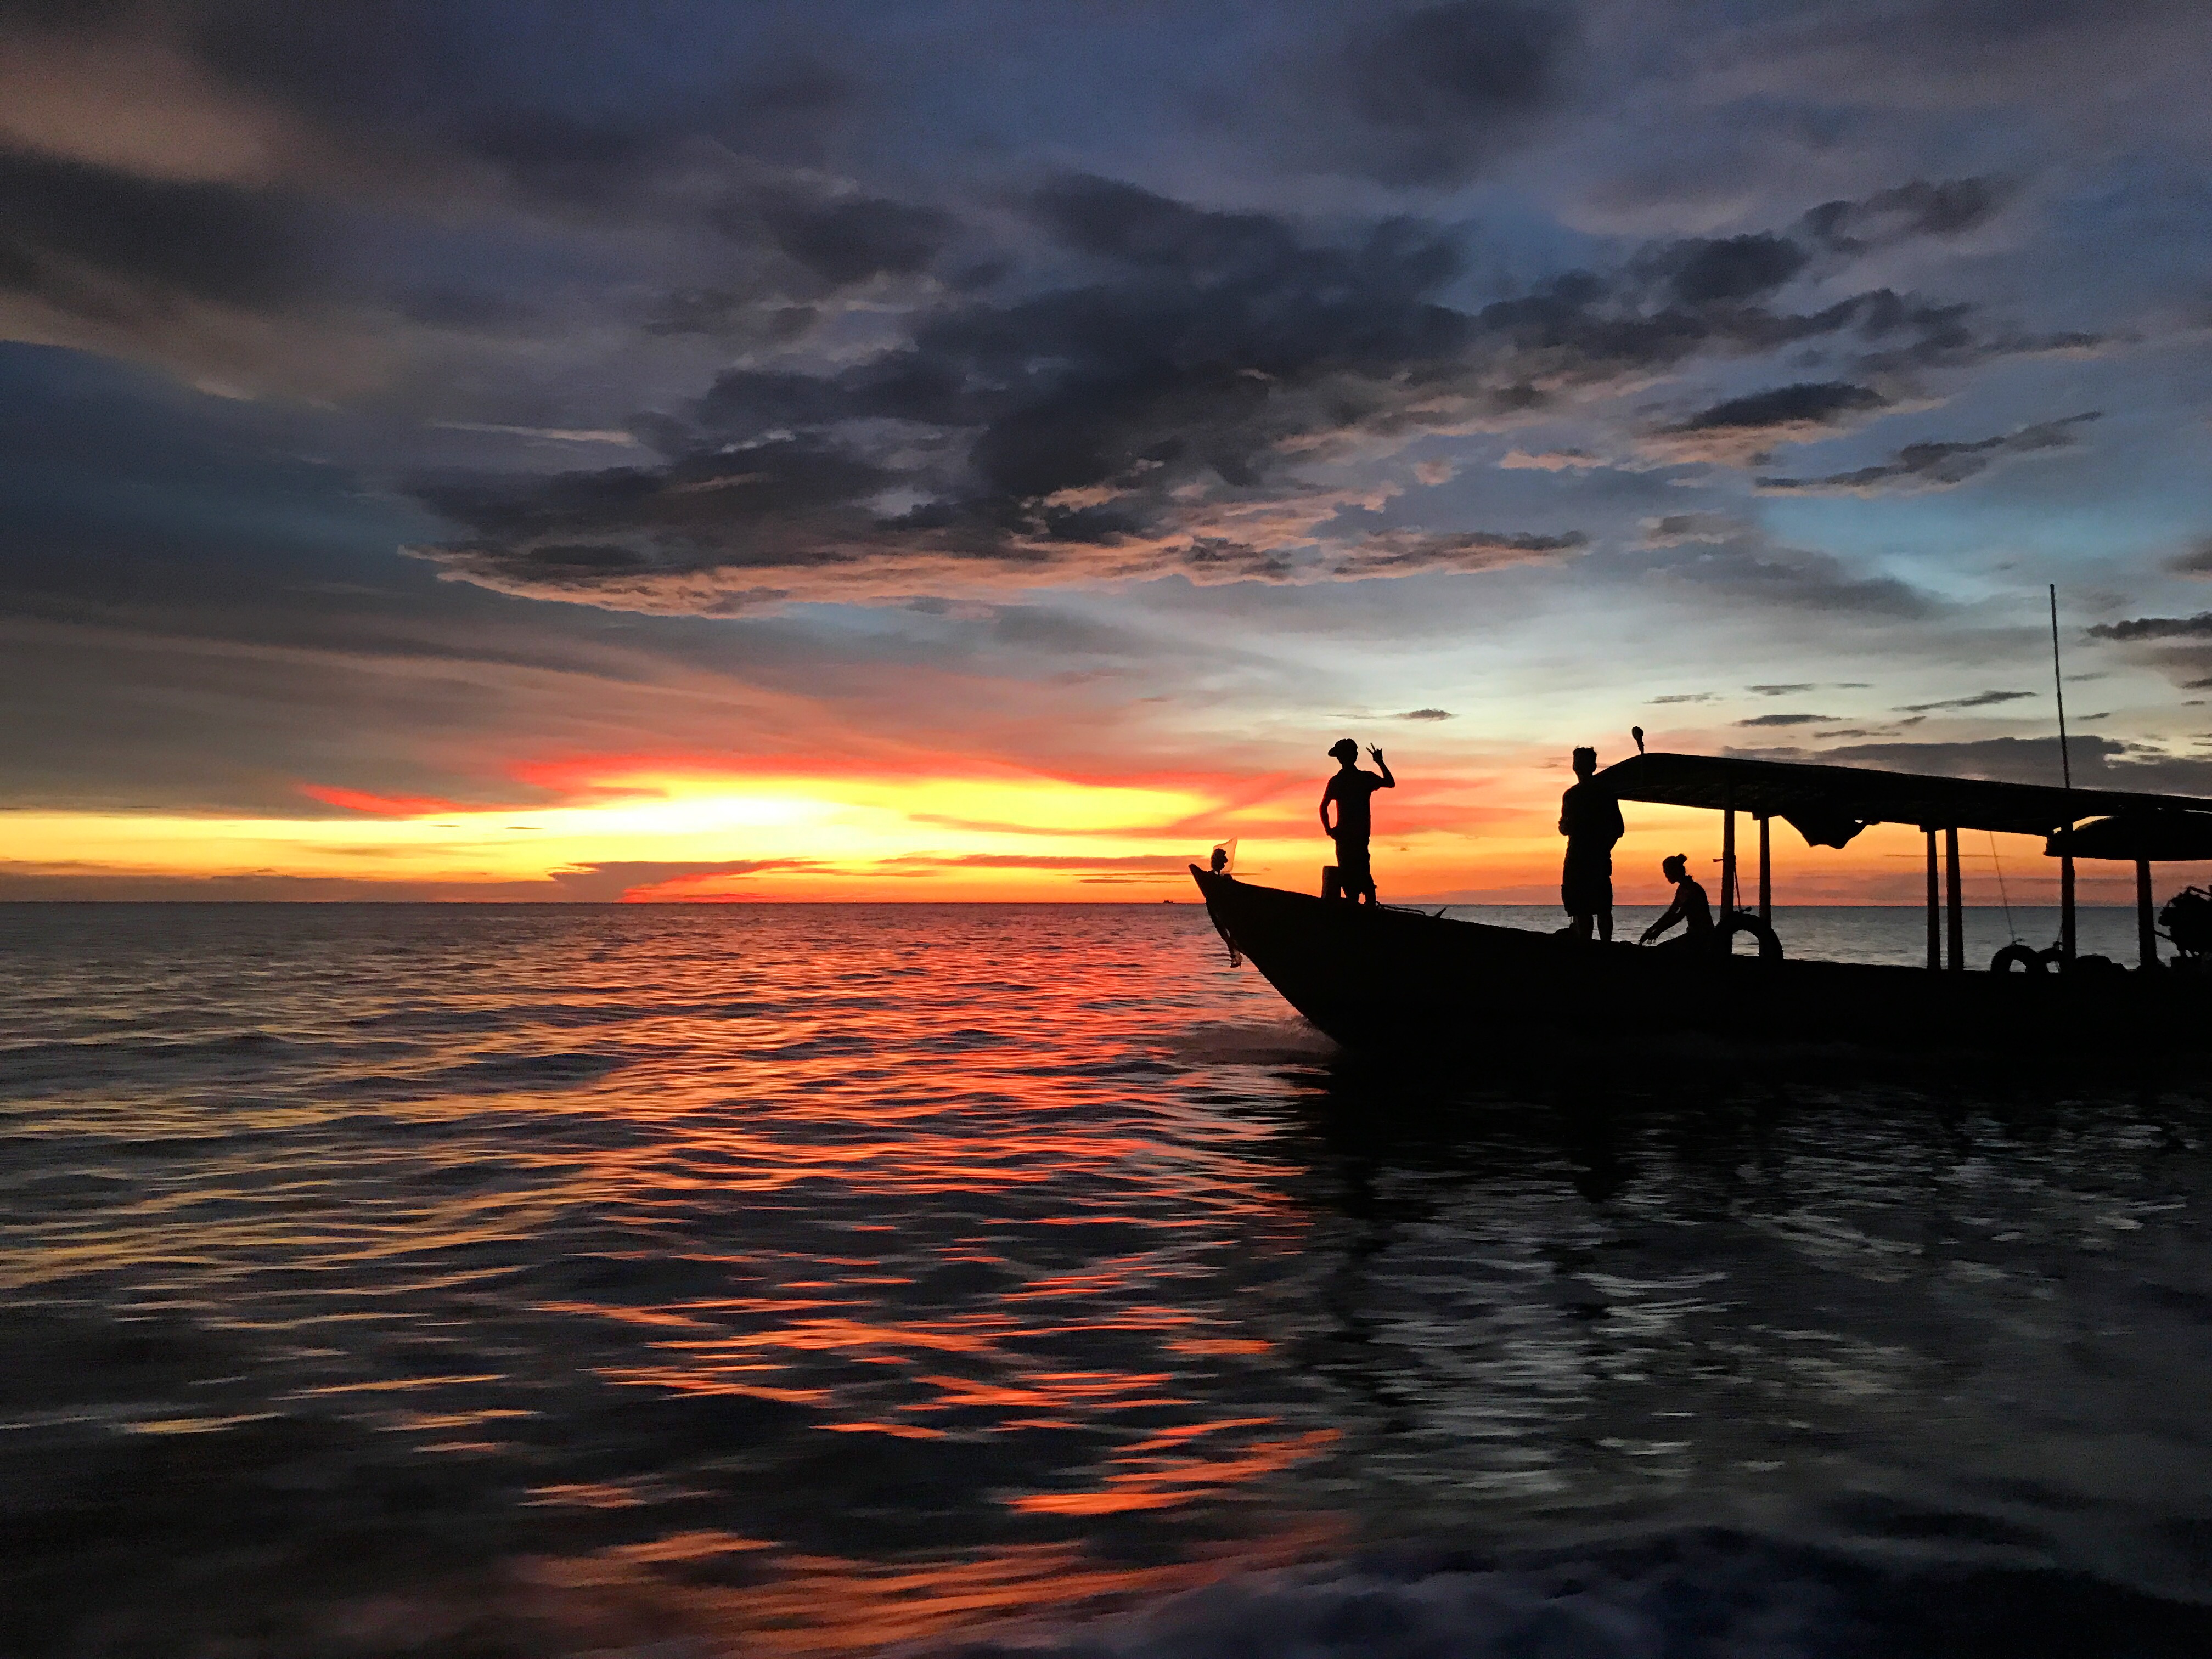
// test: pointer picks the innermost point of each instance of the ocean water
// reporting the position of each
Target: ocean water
(827, 1279)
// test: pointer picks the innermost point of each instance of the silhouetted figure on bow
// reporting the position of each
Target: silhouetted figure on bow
(1591, 820)
(1350, 789)
(1689, 909)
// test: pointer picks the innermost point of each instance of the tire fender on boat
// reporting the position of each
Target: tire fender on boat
(2026, 956)
(1770, 947)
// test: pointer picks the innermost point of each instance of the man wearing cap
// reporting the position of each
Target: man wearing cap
(1350, 789)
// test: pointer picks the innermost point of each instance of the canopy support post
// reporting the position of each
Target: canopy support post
(2066, 907)
(1934, 912)
(1728, 864)
(1954, 905)
(1766, 875)
(2146, 933)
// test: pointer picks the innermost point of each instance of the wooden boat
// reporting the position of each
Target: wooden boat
(1385, 976)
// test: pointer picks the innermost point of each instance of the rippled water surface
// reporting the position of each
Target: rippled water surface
(808, 1280)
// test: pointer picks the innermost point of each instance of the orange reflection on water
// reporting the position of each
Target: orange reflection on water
(1218, 1345)
(974, 1335)
(677, 1381)
(804, 1605)
(1163, 1482)
(678, 1546)
(1096, 1503)
(1096, 1391)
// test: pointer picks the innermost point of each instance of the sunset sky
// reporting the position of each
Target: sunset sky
(990, 449)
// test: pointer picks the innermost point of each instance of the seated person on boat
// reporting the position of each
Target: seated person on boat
(1689, 907)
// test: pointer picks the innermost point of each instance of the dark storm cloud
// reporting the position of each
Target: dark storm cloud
(1706, 272)
(1404, 553)
(2198, 627)
(850, 239)
(1740, 560)
(1938, 466)
(1153, 388)
(1910, 337)
(351, 57)
(557, 161)
(609, 172)
(1432, 96)
(2058, 54)
(1921, 208)
(1136, 424)
(1740, 431)
(385, 141)
(1679, 529)
(1158, 412)
(729, 314)
(91, 238)
(1979, 700)
(1822, 402)
(500, 80)
(2197, 561)
(1789, 720)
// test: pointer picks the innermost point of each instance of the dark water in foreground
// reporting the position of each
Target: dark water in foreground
(807, 1279)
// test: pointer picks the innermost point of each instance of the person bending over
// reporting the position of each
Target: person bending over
(1350, 790)
(1688, 908)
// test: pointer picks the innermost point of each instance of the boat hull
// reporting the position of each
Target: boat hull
(1373, 977)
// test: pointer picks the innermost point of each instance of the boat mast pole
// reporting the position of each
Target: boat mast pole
(2066, 772)
(1766, 875)
(1728, 864)
(1954, 900)
(2146, 930)
(1935, 911)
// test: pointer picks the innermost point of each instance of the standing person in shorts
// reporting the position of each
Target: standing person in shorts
(1591, 820)
(1350, 789)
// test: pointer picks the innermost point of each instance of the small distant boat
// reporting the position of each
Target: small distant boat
(1387, 976)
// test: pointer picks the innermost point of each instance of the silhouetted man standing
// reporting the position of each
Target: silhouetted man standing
(1350, 789)
(1591, 820)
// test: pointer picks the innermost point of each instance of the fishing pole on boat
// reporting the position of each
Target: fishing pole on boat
(2004, 893)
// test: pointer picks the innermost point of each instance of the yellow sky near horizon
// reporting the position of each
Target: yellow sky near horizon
(631, 831)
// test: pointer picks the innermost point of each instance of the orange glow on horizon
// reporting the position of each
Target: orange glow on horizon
(693, 828)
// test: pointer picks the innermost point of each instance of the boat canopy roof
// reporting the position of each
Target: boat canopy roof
(2185, 836)
(1829, 805)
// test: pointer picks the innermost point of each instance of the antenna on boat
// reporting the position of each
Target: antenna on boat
(2066, 937)
(2058, 684)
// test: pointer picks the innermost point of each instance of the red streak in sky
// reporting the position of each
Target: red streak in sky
(381, 806)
